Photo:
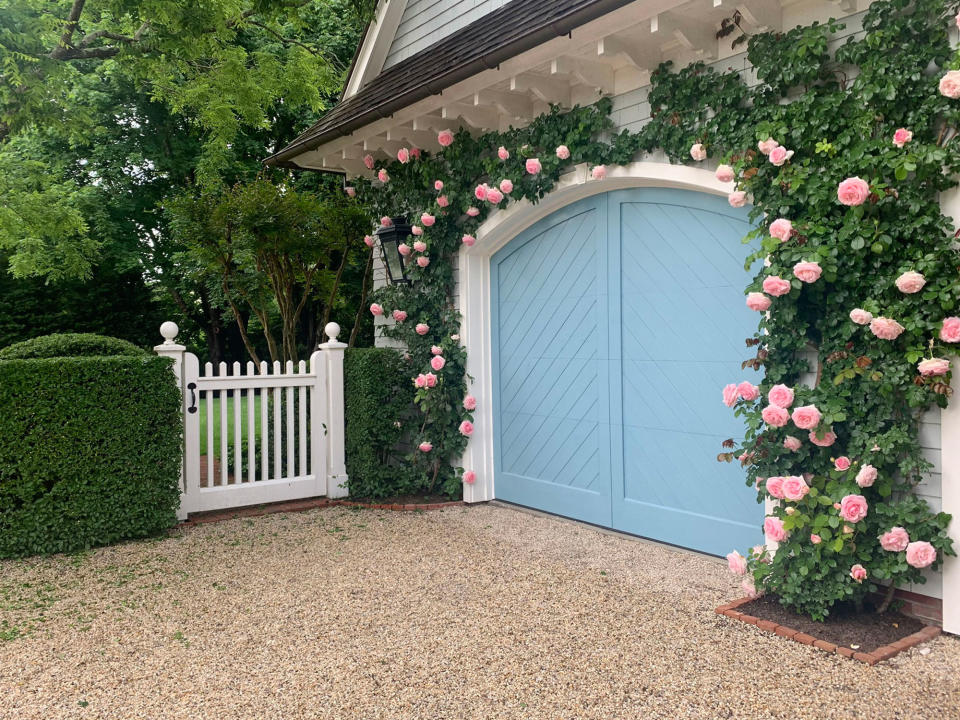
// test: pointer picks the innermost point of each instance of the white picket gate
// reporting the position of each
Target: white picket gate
(281, 430)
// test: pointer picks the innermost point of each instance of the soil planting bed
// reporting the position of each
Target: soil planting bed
(866, 636)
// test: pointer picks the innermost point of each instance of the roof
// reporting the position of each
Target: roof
(513, 29)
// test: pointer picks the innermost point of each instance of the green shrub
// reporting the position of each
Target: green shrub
(69, 345)
(379, 401)
(89, 452)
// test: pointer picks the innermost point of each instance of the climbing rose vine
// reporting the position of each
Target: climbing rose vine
(858, 266)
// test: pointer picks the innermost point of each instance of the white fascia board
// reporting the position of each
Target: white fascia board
(376, 44)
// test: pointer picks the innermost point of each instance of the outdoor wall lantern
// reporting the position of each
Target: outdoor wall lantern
(391, 238)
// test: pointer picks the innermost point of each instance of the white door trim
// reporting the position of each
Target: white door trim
(474, 297)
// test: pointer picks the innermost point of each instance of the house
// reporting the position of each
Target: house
(590, 399)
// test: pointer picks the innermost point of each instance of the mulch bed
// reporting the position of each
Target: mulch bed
(866, 636)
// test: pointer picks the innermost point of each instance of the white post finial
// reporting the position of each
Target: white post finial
(169, 330)
(332, 330)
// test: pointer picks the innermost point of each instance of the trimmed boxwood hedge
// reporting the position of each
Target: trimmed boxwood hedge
(379, 399)
(69, 345)
(90, 451)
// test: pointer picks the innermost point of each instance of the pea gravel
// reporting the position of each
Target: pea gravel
(482, 612)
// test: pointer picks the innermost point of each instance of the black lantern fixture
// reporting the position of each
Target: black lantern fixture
(392, 236)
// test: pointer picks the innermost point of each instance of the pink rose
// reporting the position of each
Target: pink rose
(422, 328)
(807, 272)
(376, 309)
(431, 380)
(902, 136)
(758, 301)
(748, 391)
(860, 316)
(885, 328)
(599, 172)
(853, 191)
(425, 447)
(958, 21)
(469, 240)
(910, 282)
(858, 573)
(368, 240)
(775, 416)
(749, 588)
(420, 246)
(738, 198)
(737, 563)
(480, 192)
(466, 428)
(795, 488)
(791, 443)
(403, 155)
(730, 395)
(815, 539)
(776, 286)
(842, 463)
(368, 161)
(867, 476)
(895, 540)
(420, 381)
(469, 477)
(533, 166)
(427, 219)
(438, 185)
(437, 362)
(950, 332)
(698, 152)
(445, 138)
(506, 186)
(403, 249)
(563, 152)
(436, 350)
(853, 508)
(503, 153)
(806, 417)
(494, 196)
(423, 261)
(766, 146)
(350, 191)
(773, 529)
(920, 553)
(400, 315)
(443, 201)
(383, 176)
(781, 228)
(415, 153)
(472, 211)
(933, 366)
(950, 84)
(470, 402)
(779, 155)
(416, 230)
(823, 440)
(724, 173)
(781, 396)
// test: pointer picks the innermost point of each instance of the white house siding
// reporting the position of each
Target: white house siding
(426, 22)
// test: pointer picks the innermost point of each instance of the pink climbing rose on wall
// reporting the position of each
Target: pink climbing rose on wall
(781, 228)
(901, 137)
(806, 417)
(470, 402)
(781, 396)
(933, 367)
(773, 529)
(910, 282)
(807, 272)
(950, 330)
(858, 573)
(776, 286)
(775, 416)
(445, 138)
(861, 316)
(853, 508)
(737, 199)
(758, 301)
(724, 173)
(885, 328)
(853, 191)
(921, 554)
(533, 166)
(895, 539)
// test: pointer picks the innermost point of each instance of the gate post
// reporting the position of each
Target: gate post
(336, 458)
(185, 369)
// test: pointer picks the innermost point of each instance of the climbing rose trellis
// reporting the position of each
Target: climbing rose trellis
(843, 184)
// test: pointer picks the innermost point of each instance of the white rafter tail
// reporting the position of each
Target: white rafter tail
(597, 75)
(424, 139)
(510, 105)
(699, 37)
(430, 123)
(762, 15)
(548, 90)
(352, 152)
(481, 118)
(642, 58)
(390, 147)
(338, 162)
(846, 5)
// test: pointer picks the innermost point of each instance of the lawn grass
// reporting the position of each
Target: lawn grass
(202, 411)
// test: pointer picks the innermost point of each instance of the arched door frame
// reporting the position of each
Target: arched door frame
(474, 285)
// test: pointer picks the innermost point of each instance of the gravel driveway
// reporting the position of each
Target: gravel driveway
(481, 612)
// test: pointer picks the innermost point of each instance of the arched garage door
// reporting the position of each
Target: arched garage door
(616, 321)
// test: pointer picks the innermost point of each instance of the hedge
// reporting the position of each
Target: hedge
(90, 452)
(70, 345)
(378, 397)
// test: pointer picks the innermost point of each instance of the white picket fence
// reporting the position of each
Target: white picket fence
(281, 430)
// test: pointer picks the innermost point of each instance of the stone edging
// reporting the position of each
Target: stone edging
(884, 652)
(310, 504)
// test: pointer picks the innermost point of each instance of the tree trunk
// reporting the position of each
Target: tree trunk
(363, 300)
(336, 285)
(887, 598)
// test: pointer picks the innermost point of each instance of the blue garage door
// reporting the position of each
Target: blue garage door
(616, 322)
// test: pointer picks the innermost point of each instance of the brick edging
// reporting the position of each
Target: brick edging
(884, 652)
(310, 504)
